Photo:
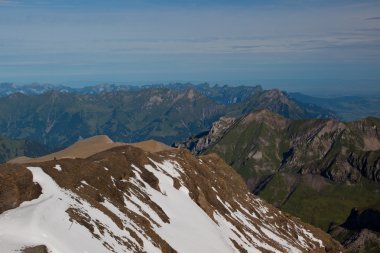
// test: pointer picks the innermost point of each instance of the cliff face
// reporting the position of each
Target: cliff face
(200, 143)
(127, 199)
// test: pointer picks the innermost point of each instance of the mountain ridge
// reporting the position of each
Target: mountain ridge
(126, 199)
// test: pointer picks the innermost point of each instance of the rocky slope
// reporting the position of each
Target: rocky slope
(361, 231)
(315, 169)
(201, 142)
(126, 199)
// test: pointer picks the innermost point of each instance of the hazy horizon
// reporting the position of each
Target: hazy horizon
(314, 47)
(339, 89)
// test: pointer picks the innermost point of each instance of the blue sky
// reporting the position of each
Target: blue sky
(306, 45)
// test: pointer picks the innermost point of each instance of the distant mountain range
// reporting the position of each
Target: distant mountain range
(316, 169)
(37, 89)
(347, 108)
(58, 118)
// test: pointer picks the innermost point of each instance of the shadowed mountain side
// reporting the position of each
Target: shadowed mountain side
(10, 148)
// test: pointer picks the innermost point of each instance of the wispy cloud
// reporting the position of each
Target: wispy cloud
(194, 38)
(7, 2)
(373, 18)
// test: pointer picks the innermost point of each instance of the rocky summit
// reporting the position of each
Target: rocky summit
(142, 198)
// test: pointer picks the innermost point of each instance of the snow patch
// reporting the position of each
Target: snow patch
(58, 167)
(183, 231)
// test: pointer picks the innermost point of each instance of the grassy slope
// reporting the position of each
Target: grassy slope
(315, 200)
(331, 204)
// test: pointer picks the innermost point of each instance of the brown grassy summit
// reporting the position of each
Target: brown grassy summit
(151, 146)
(91, 146)
(81, 149)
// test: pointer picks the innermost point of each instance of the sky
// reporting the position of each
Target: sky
(297, 45)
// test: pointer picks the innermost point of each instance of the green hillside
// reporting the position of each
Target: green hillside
(318, 170)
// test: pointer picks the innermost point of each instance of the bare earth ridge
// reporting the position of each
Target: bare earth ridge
(90, 146)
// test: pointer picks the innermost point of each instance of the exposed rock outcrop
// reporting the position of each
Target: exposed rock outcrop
(200, 143)
(16, 186)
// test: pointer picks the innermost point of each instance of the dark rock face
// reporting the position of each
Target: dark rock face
(360, 231)
(16, 186)
(366, 219)
(36, 249)
(368, 163)
(361, 241)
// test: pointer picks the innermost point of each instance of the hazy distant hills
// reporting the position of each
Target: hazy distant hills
(346, 108)
(30, 89)
(58, 118)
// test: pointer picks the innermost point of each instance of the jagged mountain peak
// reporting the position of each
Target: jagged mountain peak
(126, 199)
(275, 93)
